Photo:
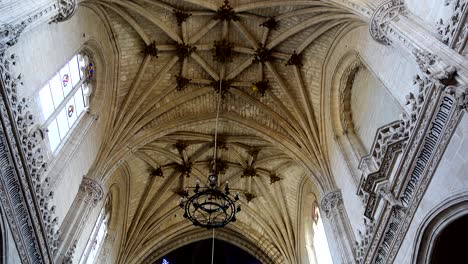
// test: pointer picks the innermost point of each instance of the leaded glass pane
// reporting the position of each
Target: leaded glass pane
(54, 136)
(47, 104)
(62, 123)
(56, 89)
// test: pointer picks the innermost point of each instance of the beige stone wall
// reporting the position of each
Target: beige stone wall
(429, 11)
(371, 105)
(392, 71)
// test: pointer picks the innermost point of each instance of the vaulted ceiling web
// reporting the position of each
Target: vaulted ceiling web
(173, 55)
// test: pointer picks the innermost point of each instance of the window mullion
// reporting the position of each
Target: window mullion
(62, 104)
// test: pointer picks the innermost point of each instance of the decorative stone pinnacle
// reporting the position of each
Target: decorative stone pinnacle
(270, 23)
(158, 172)
(92, 189)
(262, 55)
(226, 12)
(185, 169)
(181, 82)
(223, 51)
(180, 16)
(184, 50)
(261, 87)
(220, 142)
(463, 100)
(225, 85)
(151, 49)
(295, 59)
(332, 202)
(249, 196)
(249, 172)
(180, 146)
(274, 178)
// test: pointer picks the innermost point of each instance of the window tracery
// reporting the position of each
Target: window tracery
(64, 99)
(97, 238)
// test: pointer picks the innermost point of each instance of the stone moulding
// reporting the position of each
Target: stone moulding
(382, 16)
(67, 9)
(262, 251)
(16, 195)
(428, 139)
(454, 31)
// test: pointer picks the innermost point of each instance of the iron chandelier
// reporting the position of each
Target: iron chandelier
(211, 206)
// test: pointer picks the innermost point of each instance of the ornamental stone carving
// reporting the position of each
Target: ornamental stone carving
(9, 34)
(30, 144)
(66, 10)
(383, 15)
(91, 190)
(454, 31)
(343, 236)
(332, 203)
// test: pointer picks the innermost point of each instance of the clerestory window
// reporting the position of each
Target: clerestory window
(96, 240)
(322, 252)
(64, 99)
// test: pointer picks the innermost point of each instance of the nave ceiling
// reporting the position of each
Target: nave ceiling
(164, 108)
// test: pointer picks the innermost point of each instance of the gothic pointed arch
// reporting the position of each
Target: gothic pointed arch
(435, 225)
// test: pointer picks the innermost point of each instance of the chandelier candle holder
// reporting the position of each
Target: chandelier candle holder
(210, 206)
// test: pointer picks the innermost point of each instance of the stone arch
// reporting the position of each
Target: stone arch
(444, 214)
(100, 89)
(308, 200)
(342, 120)
(264, 253)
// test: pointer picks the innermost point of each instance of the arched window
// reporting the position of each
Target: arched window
(322, 252)
(64, 98)
(94, 245)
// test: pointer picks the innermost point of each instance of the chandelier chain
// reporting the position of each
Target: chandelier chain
(216, 125)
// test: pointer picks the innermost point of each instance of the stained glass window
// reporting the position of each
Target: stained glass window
(63, 98)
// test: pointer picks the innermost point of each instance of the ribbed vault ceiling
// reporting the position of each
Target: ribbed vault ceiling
(166, 97)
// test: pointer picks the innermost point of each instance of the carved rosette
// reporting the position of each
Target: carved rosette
(383, 15)
(332, 203)
(92, 191)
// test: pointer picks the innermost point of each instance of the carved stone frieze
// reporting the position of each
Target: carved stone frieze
(66, 10)
(91, 190)
(30, 140)
(332, 203)
(431, 65)
(364, 239)
(9, 34)
(343, 236)
(68, 259)
(10, 31)
(383, 15)
(454, 31)
(436, 115)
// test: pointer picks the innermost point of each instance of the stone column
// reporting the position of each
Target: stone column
(19, 16)
(392, 24)
(342, 234)
(89, 194)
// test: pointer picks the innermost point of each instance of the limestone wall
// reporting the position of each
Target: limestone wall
(41, 53)
(450, 178)
(390, 76)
